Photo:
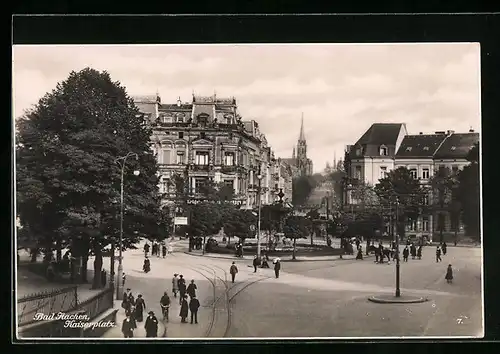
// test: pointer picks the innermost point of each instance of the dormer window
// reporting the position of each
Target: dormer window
(383, 150)
(453, 148)
(408, 148)
(426, 148)
(180, 118)
(202, 119)
(359, 152)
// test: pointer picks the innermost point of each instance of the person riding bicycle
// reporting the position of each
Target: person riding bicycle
(165, 305)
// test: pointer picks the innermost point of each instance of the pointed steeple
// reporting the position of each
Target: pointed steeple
(302, 136)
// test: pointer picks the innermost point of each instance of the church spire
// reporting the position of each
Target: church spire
(293, 153)
(302, 136)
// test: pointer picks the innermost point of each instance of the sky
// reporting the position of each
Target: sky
(340, 89)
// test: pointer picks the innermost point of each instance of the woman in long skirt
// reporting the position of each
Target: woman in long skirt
(449, 274)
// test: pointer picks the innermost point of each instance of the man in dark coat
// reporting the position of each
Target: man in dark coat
(406, 253)
(164, 251)
(233, 270)
(419, 252)
(184, 309)
(151, 325)
(147, 265)
(146, 249)
(381, 253)
(413, 251)
(128, 327)
(444, 248)
(191, 289)
(140, 306)
(255, 263)
(194, 305)
(277, 268)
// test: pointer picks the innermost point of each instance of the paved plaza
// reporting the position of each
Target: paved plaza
(316, 299)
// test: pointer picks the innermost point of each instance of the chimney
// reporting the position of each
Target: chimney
(449, 132)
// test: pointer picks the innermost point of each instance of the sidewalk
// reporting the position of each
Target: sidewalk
(139, 332)
(287, 258)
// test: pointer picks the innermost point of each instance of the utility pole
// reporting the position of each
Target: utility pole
(398, 291)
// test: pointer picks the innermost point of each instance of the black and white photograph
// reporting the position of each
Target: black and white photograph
(248, 191)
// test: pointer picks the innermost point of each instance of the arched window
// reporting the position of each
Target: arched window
(383, 150)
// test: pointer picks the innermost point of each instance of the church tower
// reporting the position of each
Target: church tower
(303, 164)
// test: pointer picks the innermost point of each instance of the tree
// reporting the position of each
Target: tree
(68, 183)
(296, 227)
(301, 189)
(442, 185)
(313, 216)
(469, 194)
(238, 223)
(402, 195)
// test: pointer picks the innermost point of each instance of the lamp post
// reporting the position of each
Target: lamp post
(259, 178)
(121, 161)
(398, 290)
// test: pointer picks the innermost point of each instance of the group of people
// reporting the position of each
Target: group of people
(134, 312)
(158, 248)
(179, 286)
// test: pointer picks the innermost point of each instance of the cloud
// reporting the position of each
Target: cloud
(340, 89)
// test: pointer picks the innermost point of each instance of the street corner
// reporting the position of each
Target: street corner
(392, 299)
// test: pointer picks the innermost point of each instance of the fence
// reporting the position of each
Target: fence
(97, 304)
(62, 300)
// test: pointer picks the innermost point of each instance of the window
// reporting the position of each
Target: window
(425, 223)
(166, 119)
(413, 173)
(180, 157)
(425, 173)
(426, 148)
(383, 172)
(357, 172)
(166, 156)
(359, 152)
(454, 169)
(200, 185)
(165, 185)
(180, 118)
(408, 148)
(229, 183)
(412, 225)
(201, 158)
(202, 120)
(229, 158)
(181, 135)
(425, 200)
(276, 186)
(383, 150)
(453, 148)
(202, 135)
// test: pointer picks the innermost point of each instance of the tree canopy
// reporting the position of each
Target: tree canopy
(68, 181)
(469, 194)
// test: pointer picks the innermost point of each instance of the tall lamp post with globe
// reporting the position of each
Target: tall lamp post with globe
(121, 161)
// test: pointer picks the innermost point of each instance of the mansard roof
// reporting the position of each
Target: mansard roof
(381, 134)
(457, 146)
(422, 145)
(145, 99)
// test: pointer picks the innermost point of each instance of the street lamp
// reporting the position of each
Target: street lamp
(121, 161)
(259, 178)
(398, 290)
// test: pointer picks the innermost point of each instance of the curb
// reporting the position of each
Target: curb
(390, 299)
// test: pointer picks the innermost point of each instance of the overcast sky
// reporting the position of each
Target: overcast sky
(341, 89)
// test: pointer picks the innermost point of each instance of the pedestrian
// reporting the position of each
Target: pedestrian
(170, 249)
(151, 325)
(438, 254)
(146, 249)
(360, 253)
(194, 305)
(165, 305)
(128, 326)
(191, 289)
(255, 263)
(181, 284)
(146, 267)
(164, 251)
(406, 253)
(377, 254)
(125, 301)
(381, 253)
(413, 251)
(444, 248)
(124, 277)
(153, 249)
(184, 309)
(140, 306)
(175, 286)
(277, 267)
(233, 270)
(419, 252)
(449, 274)
(358, 242)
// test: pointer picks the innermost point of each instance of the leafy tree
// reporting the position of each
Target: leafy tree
(469, 194)
(238, 223)
(315, 223)
(68, 183)
(442, 186)
(402, 195)
(301, 189)
(296, 227)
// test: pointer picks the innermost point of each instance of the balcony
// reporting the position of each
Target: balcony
(200, 168)
(224, 126)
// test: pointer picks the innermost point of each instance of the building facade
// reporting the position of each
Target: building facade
(205, 142)
(385, 147)
(300, 164)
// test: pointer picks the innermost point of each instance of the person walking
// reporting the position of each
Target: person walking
(444, 248)
(146, 249)
(184, 309)
(165, 305)
(438, 254)
(124, 277)
(191, 289)
(233, 270)
(147, 265)
(175, 285)
(449, 274)
(406, 253)
(128, 326)
(360, 253)
(413, 251)
(140, 306)
(277, 267)
(419, 252)
(151, 325)
(164, 250)
(255, 263)
(181, 283)
(194, 305)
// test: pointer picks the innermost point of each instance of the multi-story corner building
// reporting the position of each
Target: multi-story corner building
(385, 147)
(299, 163)
(204, 141)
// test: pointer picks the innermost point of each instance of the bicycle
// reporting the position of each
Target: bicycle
(164, 310)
